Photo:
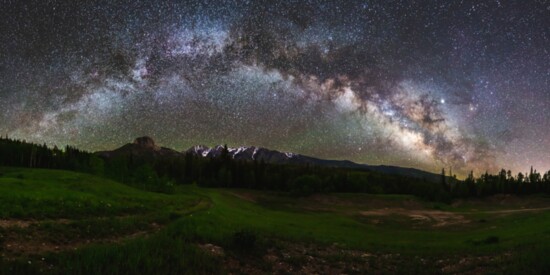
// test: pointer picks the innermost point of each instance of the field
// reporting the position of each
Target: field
(62, 222)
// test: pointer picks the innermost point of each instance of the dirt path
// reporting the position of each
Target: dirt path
(15, 244)
(244, 196)
(15, 247)
(7, 223)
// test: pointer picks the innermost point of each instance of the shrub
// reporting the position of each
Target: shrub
(486, 241)
(244, 240)
(491, 240)
(174, 216)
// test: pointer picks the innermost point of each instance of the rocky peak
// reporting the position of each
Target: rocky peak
(200, 150)
(146, 142)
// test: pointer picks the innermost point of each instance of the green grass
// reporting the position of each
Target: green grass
(70, 210)
(326, 227)
(66, 207)
(40, 194)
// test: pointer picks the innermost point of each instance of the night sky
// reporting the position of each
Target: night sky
(425, 84)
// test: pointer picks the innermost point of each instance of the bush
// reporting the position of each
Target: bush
(243, 240)
(491, 240)
(486, 241)
(174, 216)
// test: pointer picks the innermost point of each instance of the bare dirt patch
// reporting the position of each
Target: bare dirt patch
(212, 249)
(436, 218)
(300, 258)
(364, 201)
(15, 223)
(308, 258)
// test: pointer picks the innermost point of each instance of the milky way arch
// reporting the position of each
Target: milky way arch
(427, 85)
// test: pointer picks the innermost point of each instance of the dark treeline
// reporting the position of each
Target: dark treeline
(23, 154)
(162, 173)
(502, 183)
(299, 180)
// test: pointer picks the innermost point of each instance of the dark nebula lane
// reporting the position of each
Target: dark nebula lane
(426, 84)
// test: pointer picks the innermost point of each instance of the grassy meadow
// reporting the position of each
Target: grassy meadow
(61, 222)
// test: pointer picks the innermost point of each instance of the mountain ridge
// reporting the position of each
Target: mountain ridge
(147, 148)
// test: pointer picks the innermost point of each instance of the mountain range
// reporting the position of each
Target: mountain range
(146, 147)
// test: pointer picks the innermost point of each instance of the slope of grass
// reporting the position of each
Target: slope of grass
(329, 227)
(104, 227)
(52, 211)
(54, 194)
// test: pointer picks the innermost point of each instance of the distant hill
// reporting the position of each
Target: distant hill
(145, 147)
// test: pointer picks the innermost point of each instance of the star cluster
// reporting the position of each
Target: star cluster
(426, 84)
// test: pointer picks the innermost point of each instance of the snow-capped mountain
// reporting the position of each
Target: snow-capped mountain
(243, 153)
(146, 148)
(253, 153)
(199, 150)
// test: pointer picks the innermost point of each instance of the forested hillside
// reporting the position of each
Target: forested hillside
(142, 168)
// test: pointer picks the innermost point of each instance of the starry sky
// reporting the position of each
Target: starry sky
(424, 84)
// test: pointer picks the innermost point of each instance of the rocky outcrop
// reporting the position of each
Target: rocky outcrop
(146, 142)
(142, 147)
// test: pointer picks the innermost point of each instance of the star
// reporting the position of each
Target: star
(357, 80)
